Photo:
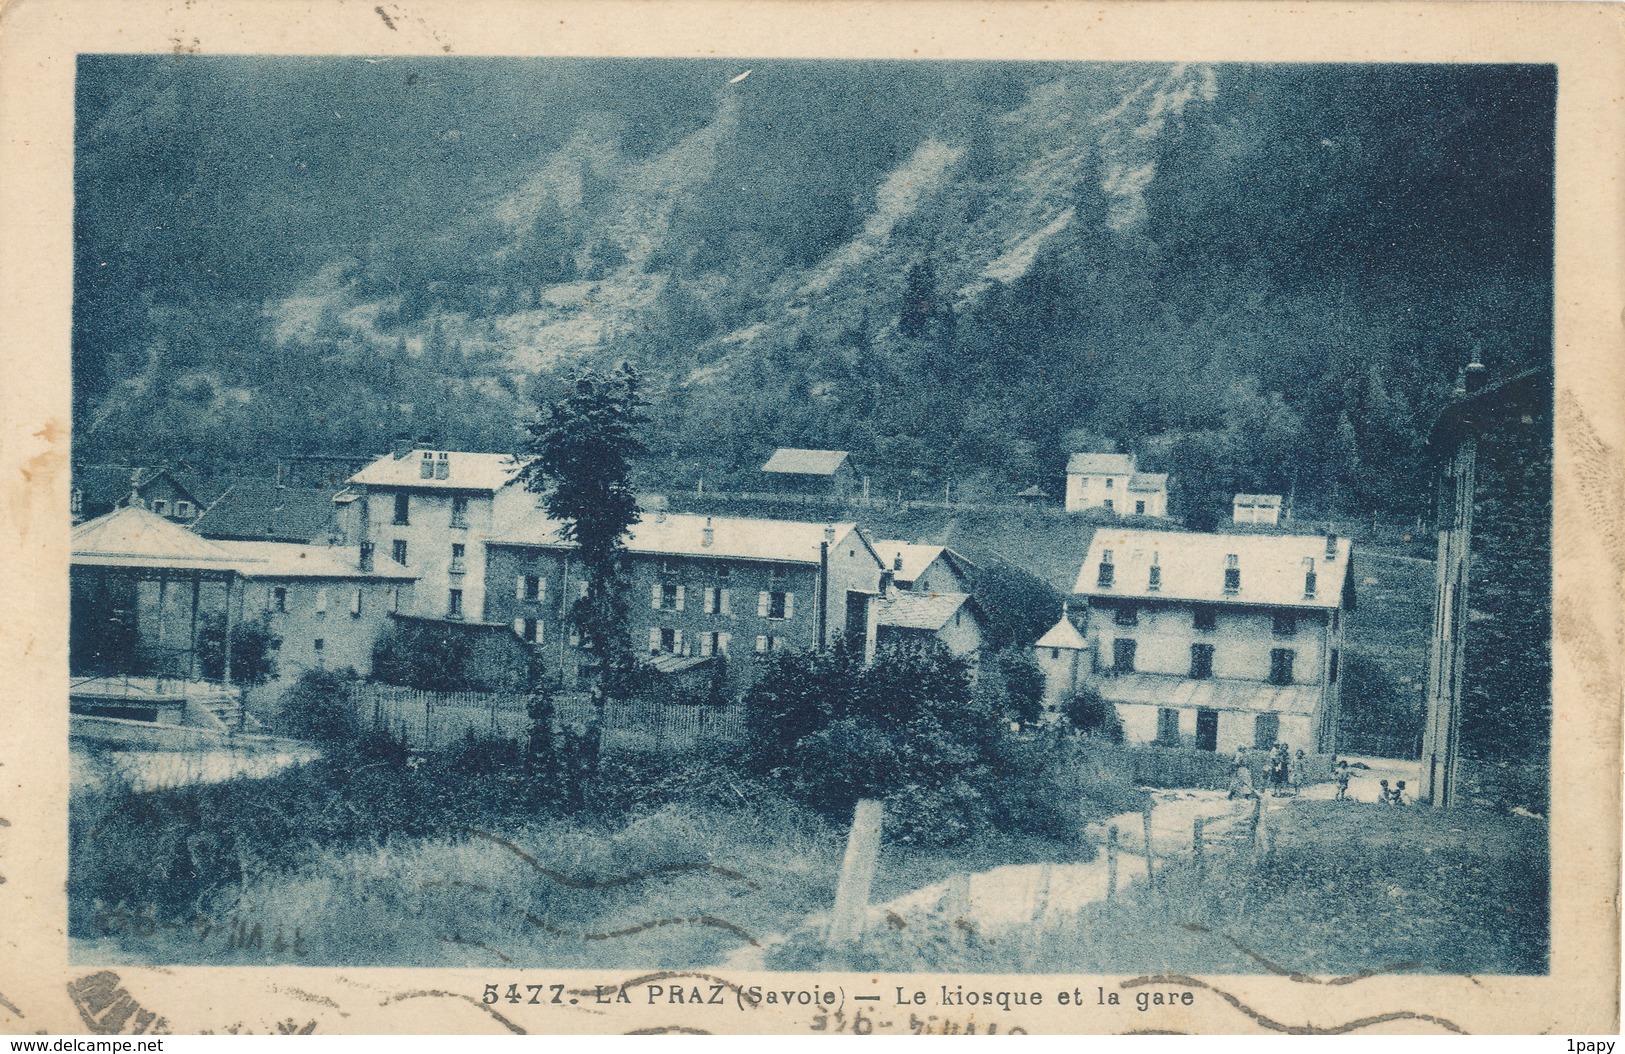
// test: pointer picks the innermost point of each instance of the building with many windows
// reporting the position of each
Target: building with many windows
(1113, 483)
(1218, 641)
(430, 512)
(698, 587)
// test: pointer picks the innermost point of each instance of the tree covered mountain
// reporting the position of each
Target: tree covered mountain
(1261, 277)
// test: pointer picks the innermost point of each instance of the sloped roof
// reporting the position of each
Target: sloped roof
(261, 510)
(805, 462)
(1258, 499)
(683, 534)
(1100, 464)
(1034, 491)
(929, 611)
(669, 664)
(1272, 567)
(109, 484)
(468, 471)
(134, 537)
(1062, 635)
(1212, 693)
(1149, 482)
(916, 558)
(291, 560)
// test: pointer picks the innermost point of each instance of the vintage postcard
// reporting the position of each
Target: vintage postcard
(936, 518)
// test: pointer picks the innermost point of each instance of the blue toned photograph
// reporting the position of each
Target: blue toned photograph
(766, 515)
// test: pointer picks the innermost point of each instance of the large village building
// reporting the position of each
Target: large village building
(431, 512)
(698, 587)
(143, 590)
(1113, 483)
(1216, 641)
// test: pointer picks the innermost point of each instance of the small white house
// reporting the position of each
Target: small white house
(1257, 508)
(1113, 483)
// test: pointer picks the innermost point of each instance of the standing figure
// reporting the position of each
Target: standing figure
(1399, 793)
(1343, 775)
(1384, 798)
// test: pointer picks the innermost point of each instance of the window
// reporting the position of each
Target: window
(321, 601)
(1266, 730)
(1123, 656)
(1128, 615)
(1284, 624)
(1110, 505)
(1232, 580)
(1281, 665)
(663, 640)
(1334, 621)
(403, 510)
(765, 644)
(714, 644)
(530, 588)
(581, 589)
(717, 601)
(1201, 661)
(279, 599)
(397, 550)
(1139, 508)
(1205, 618)
(1107, 570)
(1110, 483)
(320, 647)
(1055, 653)
(721, 571)
(183, 509)
(528, 629)
(775, 604)
(459, 511)
(355, 604)
(1331, 670)
(458, 550)
(666, 596)
(1154, 580)
(454, 604)
(160, 506)
(1168, 727)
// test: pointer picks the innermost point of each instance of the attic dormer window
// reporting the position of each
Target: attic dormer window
(426, 466)
(1110, 483)
(1232, 573)
(1155, 579)
(1108, 570)
(1308, 583)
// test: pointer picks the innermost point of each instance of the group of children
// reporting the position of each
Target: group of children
(1286, 771)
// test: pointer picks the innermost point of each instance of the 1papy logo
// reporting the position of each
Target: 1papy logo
(108, 1010)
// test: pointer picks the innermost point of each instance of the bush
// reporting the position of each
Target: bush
(252, 648)
(318, 707)
(1087, 712)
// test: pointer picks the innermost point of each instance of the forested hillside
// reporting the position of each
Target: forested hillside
(1264, 278)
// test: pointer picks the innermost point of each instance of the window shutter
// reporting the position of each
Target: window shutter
(581, 589)
(519, 587)
(677, 643)
(541, 630)
(679, 598)
(355, 603)
(789, 605)
(575, 638)
(654, 596)
(725, 607)
(708, 601)
(654, 639)
(705, 645)
(761, 643)
(761, 612)
(519, 627)
(541, 589)
(722, 642)
(321, 600)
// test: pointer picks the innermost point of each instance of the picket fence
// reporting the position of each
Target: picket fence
(430, 721)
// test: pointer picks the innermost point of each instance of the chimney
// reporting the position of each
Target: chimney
(426, 465)
(829, 535)
(1331, 545)
(897, 562)
(442, 466)
(707, 534)
(885, 584)
(366, 557)
(1475, 374)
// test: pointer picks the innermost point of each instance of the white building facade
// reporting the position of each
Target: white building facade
(1215, 641)
(1112, 483)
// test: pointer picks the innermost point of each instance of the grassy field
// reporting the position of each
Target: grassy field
(377, 860)
(1351, 887)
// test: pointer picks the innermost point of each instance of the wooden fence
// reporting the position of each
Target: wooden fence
(430, 721)
(1153, 766)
